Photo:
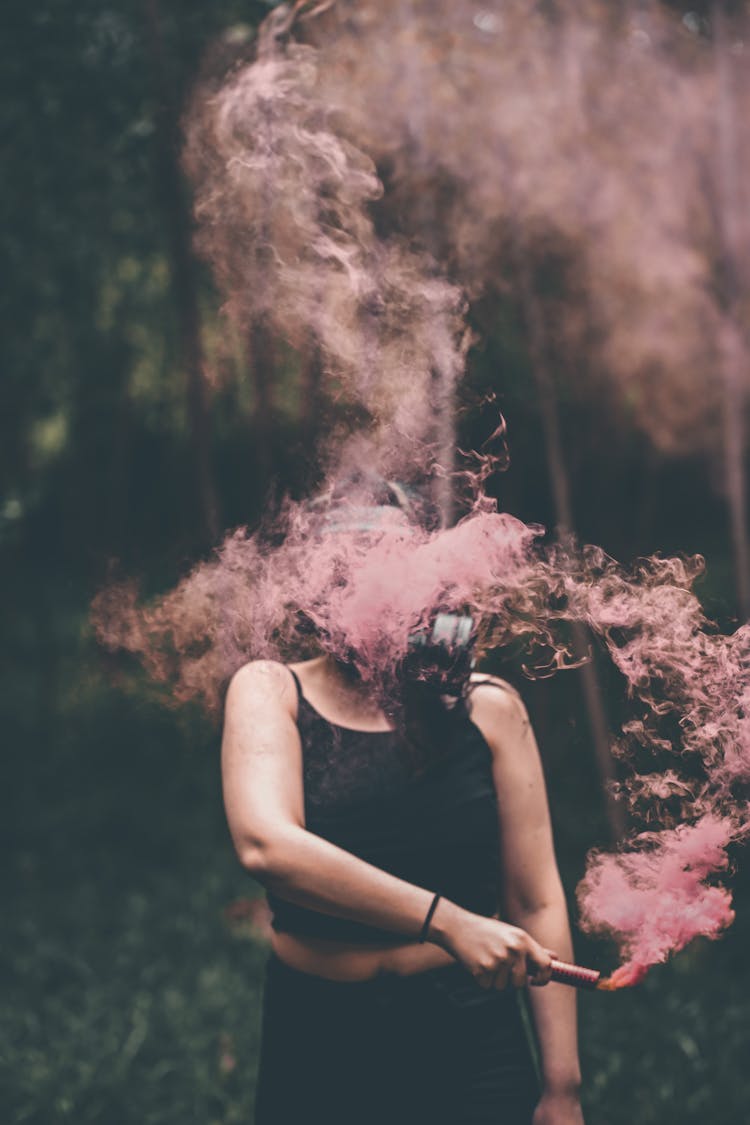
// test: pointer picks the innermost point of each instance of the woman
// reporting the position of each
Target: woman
(387, 840)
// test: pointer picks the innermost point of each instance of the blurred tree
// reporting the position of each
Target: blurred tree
(182, 271)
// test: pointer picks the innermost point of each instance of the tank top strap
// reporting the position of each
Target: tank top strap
(297, 684)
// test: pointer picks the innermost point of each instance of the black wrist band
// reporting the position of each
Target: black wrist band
(426, 925)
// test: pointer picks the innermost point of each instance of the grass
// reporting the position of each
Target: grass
(134, 1008)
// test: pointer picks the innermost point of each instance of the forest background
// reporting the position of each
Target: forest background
(131, 960)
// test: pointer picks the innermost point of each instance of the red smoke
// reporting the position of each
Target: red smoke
(366, 591)
(594, 132)
(499, 132)
(655, 900)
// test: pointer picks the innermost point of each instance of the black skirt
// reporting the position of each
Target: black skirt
(429, 1049)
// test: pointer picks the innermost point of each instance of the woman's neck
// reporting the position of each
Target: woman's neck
(347, 686)
(337, 691)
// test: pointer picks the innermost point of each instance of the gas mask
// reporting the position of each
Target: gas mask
(440, 656)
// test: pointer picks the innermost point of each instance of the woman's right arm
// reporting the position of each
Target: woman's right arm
(264, 801)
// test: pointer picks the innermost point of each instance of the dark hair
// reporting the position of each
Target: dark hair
(434, 682)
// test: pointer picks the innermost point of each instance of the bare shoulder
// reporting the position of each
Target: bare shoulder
(259, 683)
(497, 709)
(493, 694)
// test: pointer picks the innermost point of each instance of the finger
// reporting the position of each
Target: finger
(484, 979)
(501, 978)
(539, 974)
(538, 963)
(518, 973)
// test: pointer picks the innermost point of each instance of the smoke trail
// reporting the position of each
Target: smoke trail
(597, 138)
(593, 134)
(654, 899)
(285, 158)
(366, 591)
(283, 200)
(587, 135)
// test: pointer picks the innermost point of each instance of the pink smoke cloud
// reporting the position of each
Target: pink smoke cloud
(502, 133)
(366, 591)
(656, 900)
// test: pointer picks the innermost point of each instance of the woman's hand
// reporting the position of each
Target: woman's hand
(495, 953)
(558, 1108)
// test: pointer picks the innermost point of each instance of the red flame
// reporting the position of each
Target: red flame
(624, 977)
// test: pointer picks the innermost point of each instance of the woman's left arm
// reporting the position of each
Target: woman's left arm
(533, 896)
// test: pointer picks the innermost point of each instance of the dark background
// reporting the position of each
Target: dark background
(129, 991)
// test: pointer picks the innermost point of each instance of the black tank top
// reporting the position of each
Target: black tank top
(436, 826)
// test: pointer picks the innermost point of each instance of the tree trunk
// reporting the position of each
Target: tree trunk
(311, 386)
(261, 356)
(732, 342)
(177, 224)
(560, 488)
(442, 388)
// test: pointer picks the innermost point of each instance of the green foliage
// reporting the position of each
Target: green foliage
(129, 1005)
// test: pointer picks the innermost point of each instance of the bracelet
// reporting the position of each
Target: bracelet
(426, 924)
